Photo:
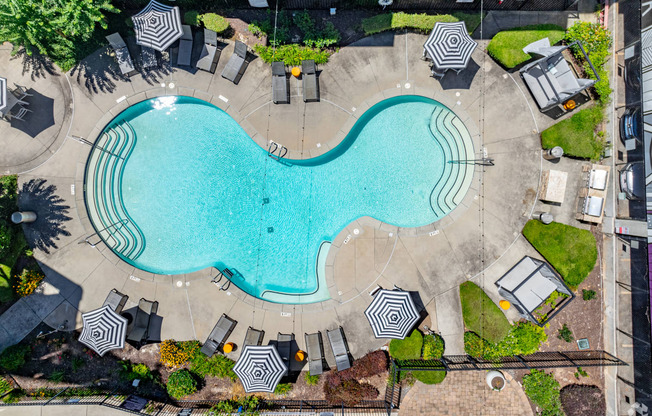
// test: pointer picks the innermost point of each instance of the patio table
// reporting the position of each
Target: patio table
(12, 100)
(553, 186)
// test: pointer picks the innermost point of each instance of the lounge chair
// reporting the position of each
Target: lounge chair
(235, 67)
(21, 92)
(218, 335)
(284, 347)
(340, 349)
(148, 56)
(140, 332)
(315, 348)
(116, 301)
(185, 46)
(279, 84)
(20, 114)
(309, 81)
(253, 337)
(209, 53)
(121, 53)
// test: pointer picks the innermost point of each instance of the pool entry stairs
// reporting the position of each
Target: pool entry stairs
(456, 142)
(104, 191)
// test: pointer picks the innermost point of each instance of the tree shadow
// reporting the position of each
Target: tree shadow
(36, 64)
(99, 72)
(50, 211)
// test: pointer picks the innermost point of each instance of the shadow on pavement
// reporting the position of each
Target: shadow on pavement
(461, 81)
(36, 64)
(41, 117)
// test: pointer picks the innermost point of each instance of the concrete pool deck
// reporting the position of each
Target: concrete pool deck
(479, 241)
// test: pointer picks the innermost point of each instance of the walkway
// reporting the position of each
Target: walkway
(465, 393)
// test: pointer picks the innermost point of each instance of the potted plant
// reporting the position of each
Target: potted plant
(496, 380)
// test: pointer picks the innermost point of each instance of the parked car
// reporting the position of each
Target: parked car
(632, 180)
(630, 124)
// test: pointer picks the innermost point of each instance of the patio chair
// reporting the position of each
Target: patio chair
(279, 84)
(121, 53)
(284, 347)
(140, 331)
(116, 301)
(315, 350)
(253, 337)
(20, 114)
(309, 81)
(235, 67)
(148, 57)
(21, 92)
(185, 46)
(340, 349)
(210, 55)
(218, 335)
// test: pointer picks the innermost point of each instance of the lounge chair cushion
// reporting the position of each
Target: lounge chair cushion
(235, 66)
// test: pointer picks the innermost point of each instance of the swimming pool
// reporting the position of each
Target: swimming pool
(174, 185)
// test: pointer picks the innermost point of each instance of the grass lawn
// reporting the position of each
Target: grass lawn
(418, 21)
(507, 46)
(481, 315)
(408, 348)
(576, 135)
(571, 251)
(429, 377)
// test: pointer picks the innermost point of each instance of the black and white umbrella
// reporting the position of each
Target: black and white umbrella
(103, 330)
(3, 93)
(260, 368)
(392, 314)
(157, 26)
(450, 46)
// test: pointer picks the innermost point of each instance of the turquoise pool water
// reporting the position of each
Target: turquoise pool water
(175, 185)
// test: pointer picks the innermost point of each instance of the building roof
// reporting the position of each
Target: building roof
(527, 281)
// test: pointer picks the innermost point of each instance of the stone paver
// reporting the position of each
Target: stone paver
(465, 393)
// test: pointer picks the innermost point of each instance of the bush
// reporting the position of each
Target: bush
(291, 55)
(588, 294)
(216, 366)
(476, 346)
(577, 135)
(408, 348)
(191, 17)
(523, 338)
(180, 384)
(214, 22)
(176, 354)
(565, 333)
(266, 28)
(349, 392)
(421, 22)
(583, 400)
(249, 404)
(314, 37)
(433, 347)
(596, 41)
(507, 46)
(481, 315)
(311, 380)
(132, 372)
(13, 358)
(28, 281)
(371, 364)
(543, 390)
(5, 386)
(571, 251)
(282, 389)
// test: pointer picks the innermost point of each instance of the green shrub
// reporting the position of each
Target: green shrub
(266, 28)
(481, 315)
(311, 380)
(57, 376)
(421, 22)
(580, 373)
(176, 354)
(577, 135)
(543, 390)
(476, 346)
(507, 46)
(14, 396)
(408, 348)
(249, 404)
(214, 22)
(5, 386)
(291, 54)
(571, 251)
(588, 294)
(596, 40)
(216, 366)
(77, 363)
(191, 18)
(180, 384)
(282, 389)
(429, 377)
(13, 358)
(433, 347)
(523, 338)
(565, 333)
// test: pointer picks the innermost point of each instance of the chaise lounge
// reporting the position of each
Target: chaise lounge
(309, 81)
(253, 337)
(116, 301)
(340, 349)
(279, 84)
(140, 331)
(209, 53)
(185, 46)
(218, 335)
(121, 53)
(235, 67)
(284, 347)
(315, 350)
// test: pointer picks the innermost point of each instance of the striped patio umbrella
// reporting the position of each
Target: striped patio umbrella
(450, 46)
(392, 314)
(103, 330)
(3, 93)
(260, 368)
(157, 26)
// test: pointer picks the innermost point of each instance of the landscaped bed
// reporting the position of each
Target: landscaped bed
(578, 135)
(419, 346)
(421, 22)
(507, 46)
(571, 251)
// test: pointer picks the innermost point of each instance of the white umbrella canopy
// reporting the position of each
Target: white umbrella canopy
(260, 368)
(103, 330)
(392, 314)
(450, 46)
(157, 26)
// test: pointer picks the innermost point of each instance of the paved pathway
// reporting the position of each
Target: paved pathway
(465, 393)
